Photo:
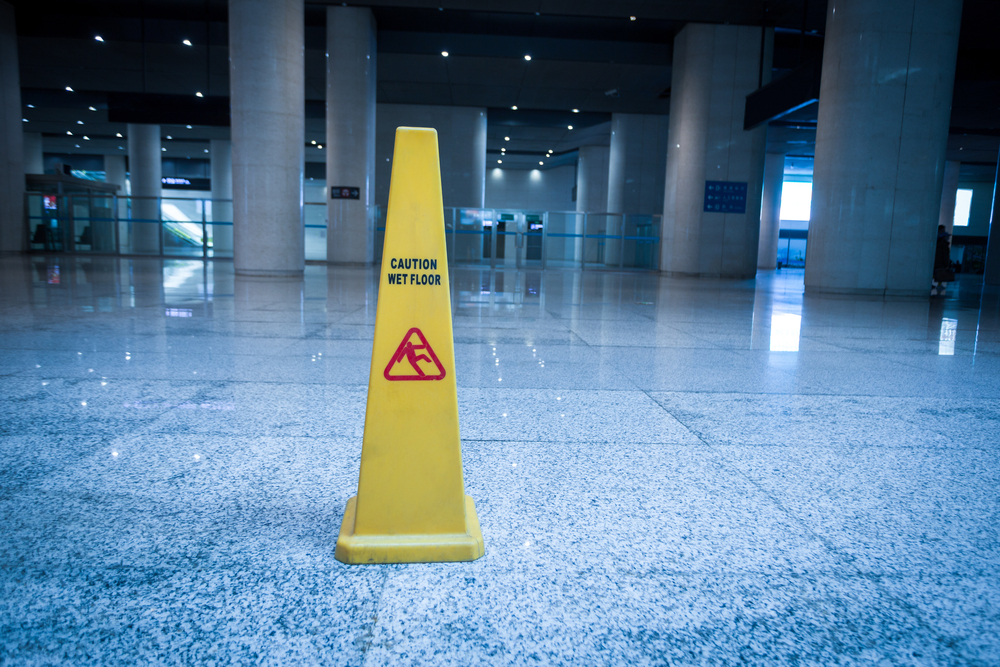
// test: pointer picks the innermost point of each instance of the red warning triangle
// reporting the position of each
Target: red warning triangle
(414, 360)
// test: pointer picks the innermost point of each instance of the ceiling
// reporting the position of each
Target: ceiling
(588, 55)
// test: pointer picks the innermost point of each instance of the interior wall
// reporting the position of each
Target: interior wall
(535, 189)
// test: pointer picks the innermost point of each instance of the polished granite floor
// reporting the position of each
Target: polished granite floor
(667, 472)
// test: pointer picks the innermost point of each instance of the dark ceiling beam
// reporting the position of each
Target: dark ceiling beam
(797, 89)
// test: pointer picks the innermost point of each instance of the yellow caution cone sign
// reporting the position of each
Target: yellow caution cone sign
(411, 505)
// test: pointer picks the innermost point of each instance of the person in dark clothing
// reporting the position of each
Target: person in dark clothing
(943, 272)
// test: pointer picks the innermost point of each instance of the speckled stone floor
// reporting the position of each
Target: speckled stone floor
(667, 472)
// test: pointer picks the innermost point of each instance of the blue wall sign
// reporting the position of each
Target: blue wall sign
(725, 197)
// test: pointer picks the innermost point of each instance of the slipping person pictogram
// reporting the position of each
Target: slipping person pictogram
(405, 363)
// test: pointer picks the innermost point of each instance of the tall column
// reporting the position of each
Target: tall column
(115, 173)
(350, 132)
(221, 154)
(145, 168)
(992, 269)
(884, 108)
(467, 164)
(770, 211)
(714, 68)
(13, 233)
(461, 142)
(34, 158)
(949, 193)
(591, 192)
(267, 106)
(636, 168)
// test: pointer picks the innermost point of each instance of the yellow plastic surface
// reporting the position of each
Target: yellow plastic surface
(411, 504)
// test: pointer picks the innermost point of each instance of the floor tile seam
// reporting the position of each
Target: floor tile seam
(57, 567)
(577, 441)
(847, 561)
(855, 447)
(921, 397)
(726, 466)
(372, 625)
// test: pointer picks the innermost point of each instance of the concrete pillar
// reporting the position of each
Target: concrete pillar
(350, 132)
(13, 232)
(636, 169)
(591, 193)
(474, 190)
(145, 167)
(115, 172)
(461, 145)
(949, 193)
(770, 211)
(992, 268)
(617, 156)
(34, 159)
(885, 104)
(714, 68)
(221, 154)
(267, 106)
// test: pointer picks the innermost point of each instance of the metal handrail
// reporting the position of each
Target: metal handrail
(174, 239)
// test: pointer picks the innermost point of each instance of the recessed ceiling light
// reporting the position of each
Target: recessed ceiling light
(92, 108)
(631, 18)
(188, 126)
(320, 146)
(576, 111)
(119, 135)
(198, 95)
(31, 106)
(527, 57)
(540, 162)
(444, 53)
(206, 150)
(121, 148)
(169, 137)
(69, 133)
(98, 38)
(78, 145)
(313, 142)
(514, 108)
(79, 122)
(69, 89)
(86, 137)
(499, 161)
(163, 149)
(25, 120)
(187, 42)
(506, 138)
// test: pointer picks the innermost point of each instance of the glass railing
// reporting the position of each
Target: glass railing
(196, 227)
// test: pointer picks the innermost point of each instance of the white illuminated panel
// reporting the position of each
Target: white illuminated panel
(963, 204)
(796, 198)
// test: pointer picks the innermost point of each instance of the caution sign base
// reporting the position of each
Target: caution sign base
(438, 548)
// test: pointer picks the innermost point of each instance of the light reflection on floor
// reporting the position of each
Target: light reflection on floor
(667, 471)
